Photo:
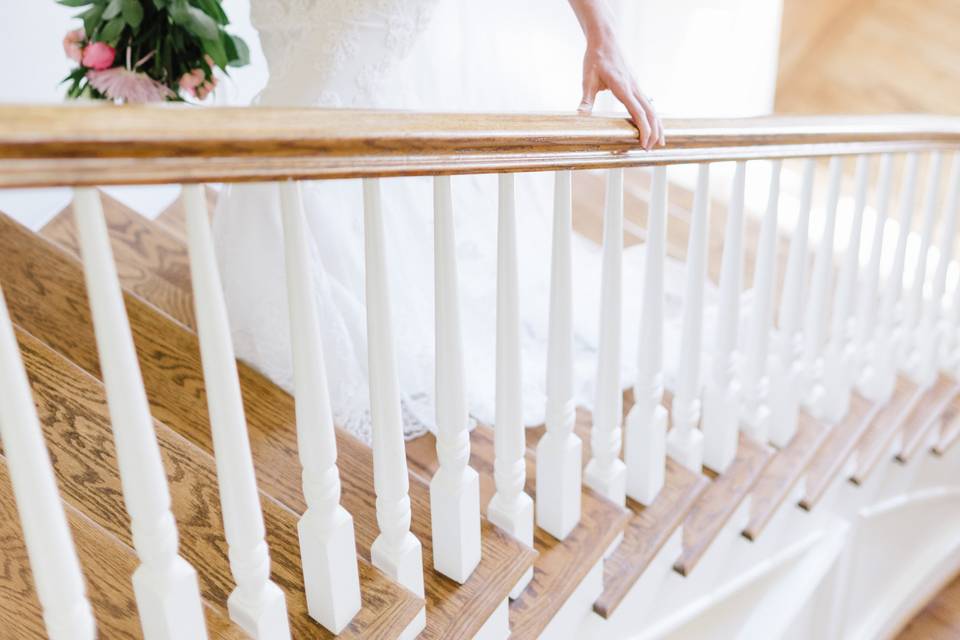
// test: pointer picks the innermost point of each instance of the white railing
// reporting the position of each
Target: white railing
(811, 361)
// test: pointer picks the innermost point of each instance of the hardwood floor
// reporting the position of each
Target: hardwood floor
(939, 619)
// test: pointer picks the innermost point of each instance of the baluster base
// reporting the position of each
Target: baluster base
(837, 383)
(559, 469)
(328, 556)
(879, 376)
(925, 366)
(610, 482)
(645, 450)
(168, 601)
(402, 563)
(455, 519)
(263, 617)
(517, 520)
(721, 417)
(756, 411)
(784, 402)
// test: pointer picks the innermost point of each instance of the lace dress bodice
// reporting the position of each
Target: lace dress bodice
(335, 53)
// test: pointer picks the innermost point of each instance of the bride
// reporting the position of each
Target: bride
(374, 54)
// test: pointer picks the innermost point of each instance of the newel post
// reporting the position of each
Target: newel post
(559, 450)
(56, 570)
(327, 543)
(165, 585)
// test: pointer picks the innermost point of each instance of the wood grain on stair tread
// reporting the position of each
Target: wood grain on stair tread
(107, 565)
(720, 500)
(782, 474)
(876, 442)
(560, 566)
(151, 262)
(72, 407)
(950, 432)
(927, 416)
(839, 445)
(646, 532)
(46, 295)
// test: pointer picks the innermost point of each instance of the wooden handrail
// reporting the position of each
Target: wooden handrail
(86, 144)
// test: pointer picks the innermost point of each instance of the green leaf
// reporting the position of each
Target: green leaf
(91, 18)
(194, 20)
(212, 8)
(111, 32)
(75, 3)
(240, 54)
(133, 13)
(214, 49)
(113, 9)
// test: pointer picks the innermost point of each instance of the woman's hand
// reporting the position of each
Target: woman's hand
(604, 67)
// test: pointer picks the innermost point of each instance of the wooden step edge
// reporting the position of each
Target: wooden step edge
(840, 443)
(784, 473)
(72, 406)
(876, 443)
(950, 432)
(720, 500)
(559, 566)
(927, 417)
(107, 565)
(46, 293)
(647, 531)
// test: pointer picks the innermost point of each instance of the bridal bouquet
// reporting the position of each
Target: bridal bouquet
(149, 50)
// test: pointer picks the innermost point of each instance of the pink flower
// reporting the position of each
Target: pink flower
(130, 86)
(98, 56)
(190, 81)
(71, 44)
(206, 88)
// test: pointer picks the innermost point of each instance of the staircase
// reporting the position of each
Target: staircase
(770, 425)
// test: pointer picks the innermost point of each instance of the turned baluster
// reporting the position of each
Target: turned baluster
(396, 551)
(511, 508)
(606, 472)
(756, 381)
(839, 359)
(559, 450)
(910, 325)
(721, 394)
(165, 585)
(53, 559)
(935, 329)
(884, 364)
(786, 368)
(868, 300)
(817, 308)
(326, 534)
(685, 441)
(257, 604)
(646, 428)
(455, 487)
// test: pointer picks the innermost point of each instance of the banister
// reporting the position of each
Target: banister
(84, 144)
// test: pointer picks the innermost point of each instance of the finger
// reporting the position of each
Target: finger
(637, 114)
(590, 88)
(655, 125)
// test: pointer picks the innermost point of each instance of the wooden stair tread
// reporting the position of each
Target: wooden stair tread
(647, 530)
(950, 432)
(559, 566)
(72, 407)
(718, 502)
(926, 416)
(107, 566)
(839, 445)
(46, 295)
(786, 468)
(876, 441)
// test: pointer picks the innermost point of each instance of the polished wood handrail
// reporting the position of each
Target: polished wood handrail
(85, 144)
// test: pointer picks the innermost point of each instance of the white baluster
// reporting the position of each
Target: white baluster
(887, 331)
(511, 508)
(817, 307)
(756, 381)
(606, 473)
(839, 361)
(396, 551)
(165, 585)
(910, 324)
(455, 487)
(868, 300)
(53, 559)
(257, 604)
(936, 329)
(721, 395)
(559, 449)
(327, 543)
(685, 441)
(786, 368)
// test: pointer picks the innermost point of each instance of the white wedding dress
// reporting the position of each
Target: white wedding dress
(387, 53)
